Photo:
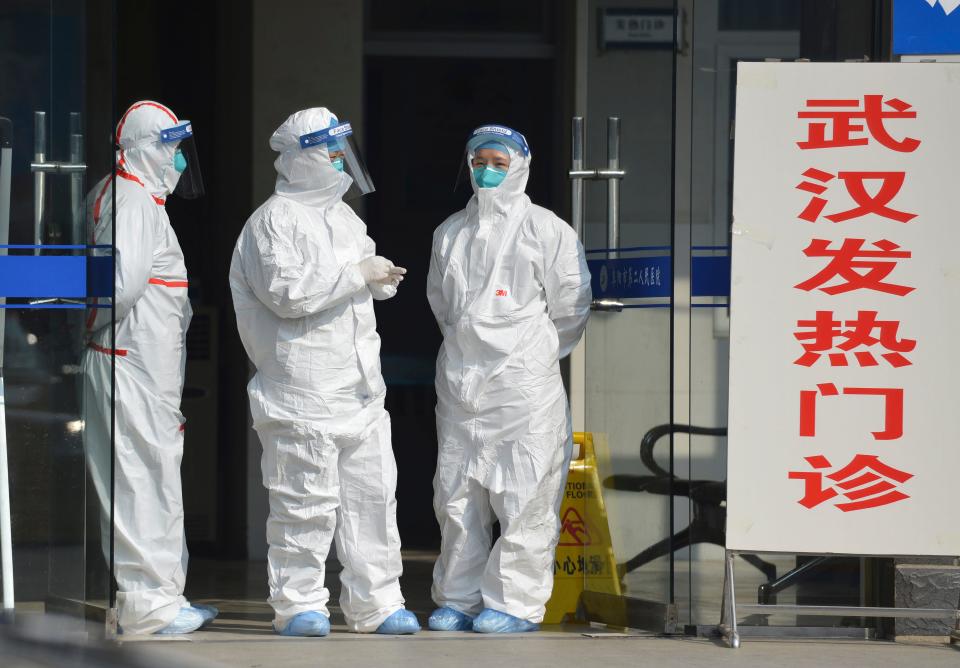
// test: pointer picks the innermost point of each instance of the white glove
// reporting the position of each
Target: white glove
(382, 292)
(377, 269)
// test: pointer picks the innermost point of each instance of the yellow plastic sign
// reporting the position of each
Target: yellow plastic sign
(584, 558)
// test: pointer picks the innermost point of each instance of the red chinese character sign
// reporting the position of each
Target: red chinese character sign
(844, 436)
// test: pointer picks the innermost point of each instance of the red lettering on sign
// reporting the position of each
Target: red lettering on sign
(856, 185)
(875, 487)
(850, 257)
(892, 408)
(820, 338)
(840, 114)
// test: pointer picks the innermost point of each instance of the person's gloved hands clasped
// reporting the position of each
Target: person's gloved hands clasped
(377, 269)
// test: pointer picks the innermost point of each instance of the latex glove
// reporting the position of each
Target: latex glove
(382, 291)
(377, 269)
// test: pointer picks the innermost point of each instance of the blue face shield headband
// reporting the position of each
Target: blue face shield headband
(339, 137)
(330, 136)
(501, 134)
(179, 132)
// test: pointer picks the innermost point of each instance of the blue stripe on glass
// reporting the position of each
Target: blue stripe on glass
(645, 277)
(51, 247)
(56, 276)
(636, 278)
(631, 249)
(100, 276)
(50, 306)
(711, 276)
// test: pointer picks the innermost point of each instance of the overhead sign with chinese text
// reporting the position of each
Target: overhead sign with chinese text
(844, 424)
(636, 28)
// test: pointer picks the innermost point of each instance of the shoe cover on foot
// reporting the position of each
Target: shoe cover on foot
(187, 620)
(312, 624)
(400, 623)
(448, 619)
(494, 621)
(208, 611)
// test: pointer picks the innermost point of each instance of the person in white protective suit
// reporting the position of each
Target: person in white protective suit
(304, 276)
(510, 289)
(156, 157)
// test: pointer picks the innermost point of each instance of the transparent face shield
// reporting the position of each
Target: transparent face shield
(186, 161)
(498, 139)
(344, 155)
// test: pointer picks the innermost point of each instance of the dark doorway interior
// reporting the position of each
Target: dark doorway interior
(202, 70)
(419, 112)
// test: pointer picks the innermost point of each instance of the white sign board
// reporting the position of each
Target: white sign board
(844, 426)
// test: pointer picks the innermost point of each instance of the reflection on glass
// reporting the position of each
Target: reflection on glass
(58, 563)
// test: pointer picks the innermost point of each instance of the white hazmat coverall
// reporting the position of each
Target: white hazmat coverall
(305, 315)
(510, 289)
(152, 316)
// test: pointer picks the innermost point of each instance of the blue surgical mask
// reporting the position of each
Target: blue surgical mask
(337, 164)
(179, 162)
(488, 177)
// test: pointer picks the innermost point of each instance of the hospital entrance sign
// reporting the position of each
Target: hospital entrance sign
(844, 425)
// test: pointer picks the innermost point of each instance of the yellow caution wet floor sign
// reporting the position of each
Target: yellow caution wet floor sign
(584, 558)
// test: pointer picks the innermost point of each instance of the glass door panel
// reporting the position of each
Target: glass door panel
(628, 340)
(58, 121)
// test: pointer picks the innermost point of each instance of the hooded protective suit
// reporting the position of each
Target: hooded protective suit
(510, 289)
(152, 316)
(305, 315)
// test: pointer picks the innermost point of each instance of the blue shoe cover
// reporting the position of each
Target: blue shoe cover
(208, 611)
(402, 622)
(448, 619)
(187, 620)
(312, 623)
(494, 621)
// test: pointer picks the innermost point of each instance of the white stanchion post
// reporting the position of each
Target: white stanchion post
(6, 531)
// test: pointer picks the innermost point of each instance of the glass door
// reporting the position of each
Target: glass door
(718, 36)
(627, 351)
(655, 357)
(57, 113)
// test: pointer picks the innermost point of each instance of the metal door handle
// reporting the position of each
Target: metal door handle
(597, 174)
(39, 177)
(40, 167)
(613, 186)
(612, 175)
(606, 305)
(58, 167)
